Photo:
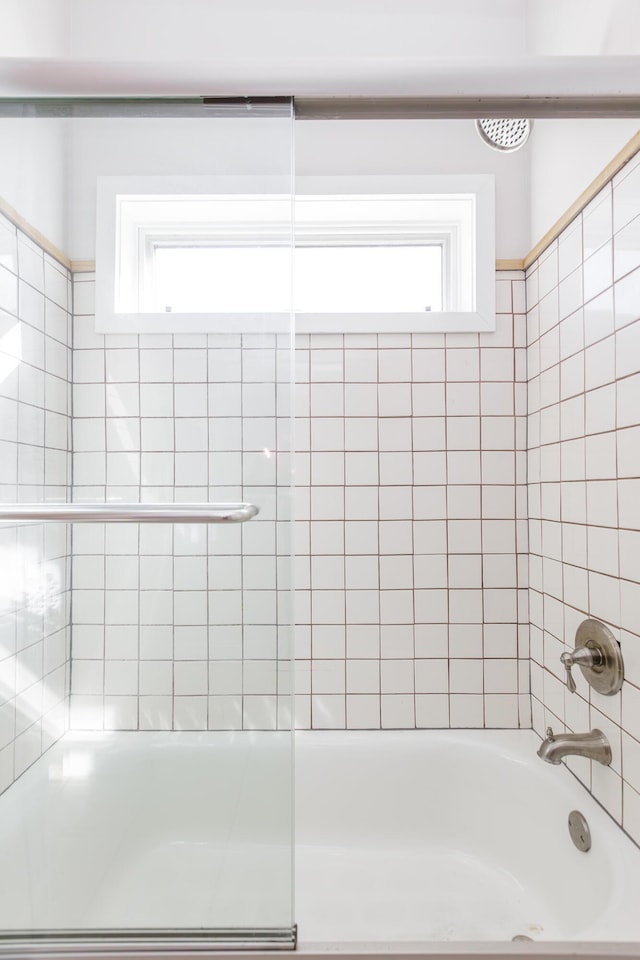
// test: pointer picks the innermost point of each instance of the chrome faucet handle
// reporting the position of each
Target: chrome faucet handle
(550, 734)
(582, 657)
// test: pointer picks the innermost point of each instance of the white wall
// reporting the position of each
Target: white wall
(421, 146)
(32, 158)
(533, 187)
(244, 29)
(566, 155)
(129, 147)
(579, 27)
(120, 147)
(35, 28)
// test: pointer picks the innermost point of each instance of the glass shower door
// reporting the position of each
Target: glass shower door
(146, 739)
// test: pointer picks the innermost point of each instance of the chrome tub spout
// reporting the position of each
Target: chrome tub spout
(593, 745)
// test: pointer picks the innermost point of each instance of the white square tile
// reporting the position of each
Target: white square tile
(629, 542)
(361, 503)
(604, 598)
(462, 365)
(462, 502)
(626, 195)
(599, 317)
(328, 711)
(397, 711)
(156, 366)
(598, 272)
(429, 434)
(363, 712)
(466, 710)
(548, 270)
(189, 678)
(428, 365)
(360, 400)
(327, 400)
(56, 283)
(432, 676)
(600, 450)
(394, 399)
(628, 401)
(432, 711)
(121, 366)
(628, 453)
(190, 400)
(361, 572)
(190, 713)
(325, 366)
(463, 433)
(360, 433)
(502, 710)
(30, 263)
(395, 433)
(572, 334)
(190, 366)
(430, 571)
(363, 676)
(361, 365)
(395, 503)
(431, 607)
(394, 366)
(626, 299)
(597, 226)
(627, 345)
(396, 606)
(465, 606)
(124, 400)
(629, 604)
(570, 253)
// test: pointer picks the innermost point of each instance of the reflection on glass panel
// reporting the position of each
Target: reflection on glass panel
(145, 719)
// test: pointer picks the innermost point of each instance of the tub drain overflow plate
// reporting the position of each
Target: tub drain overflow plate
(579, 831)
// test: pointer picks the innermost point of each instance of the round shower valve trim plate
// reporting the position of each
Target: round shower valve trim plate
(606, 672)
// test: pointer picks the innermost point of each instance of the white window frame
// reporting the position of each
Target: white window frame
(108, 246)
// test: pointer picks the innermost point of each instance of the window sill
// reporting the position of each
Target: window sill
(265, 323)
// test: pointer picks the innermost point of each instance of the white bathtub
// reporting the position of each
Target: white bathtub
(146, 830)
(452, 835)
(403, 838)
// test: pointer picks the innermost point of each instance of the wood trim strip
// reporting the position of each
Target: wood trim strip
(23, 225)
(614, 166)
(509, 265)
(83, 266)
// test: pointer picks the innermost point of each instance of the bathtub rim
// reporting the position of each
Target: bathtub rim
(578, 950)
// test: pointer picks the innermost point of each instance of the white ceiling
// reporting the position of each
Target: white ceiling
(320, 47)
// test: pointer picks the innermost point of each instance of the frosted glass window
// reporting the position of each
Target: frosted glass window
(372, 254)
(328, 279)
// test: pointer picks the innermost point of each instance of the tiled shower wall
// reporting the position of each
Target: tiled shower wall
(180, 626)
(411, 552)
(583, 351)
(411, 560)
(35, 370)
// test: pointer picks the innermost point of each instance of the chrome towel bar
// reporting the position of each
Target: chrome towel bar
(129, 512)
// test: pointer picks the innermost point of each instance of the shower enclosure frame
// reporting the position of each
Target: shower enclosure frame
(144, 941)
(188, 942)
